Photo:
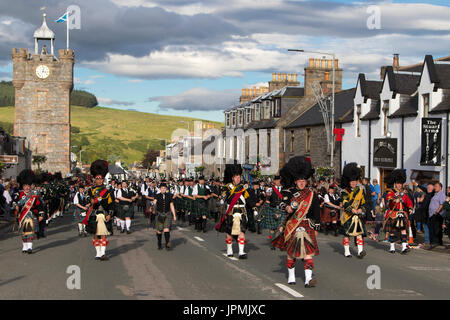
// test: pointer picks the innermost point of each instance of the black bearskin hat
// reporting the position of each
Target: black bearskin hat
(296, 168)
(99, 167)
(26, 176)
(351, 172)
(231, 170)
(57, 176)
(396, 176)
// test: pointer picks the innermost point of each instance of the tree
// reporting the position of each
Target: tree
(38, 160)
(150, 157)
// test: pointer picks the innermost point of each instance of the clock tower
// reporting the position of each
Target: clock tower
(43, 83)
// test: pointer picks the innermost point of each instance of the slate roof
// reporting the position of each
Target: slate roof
(374, 112)
(343, 104)
(407, 108)
(370, 89)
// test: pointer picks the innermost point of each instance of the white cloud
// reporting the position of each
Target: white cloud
(198, 99)
(112, 102)
(135, 80)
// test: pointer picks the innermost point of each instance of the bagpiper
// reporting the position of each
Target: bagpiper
(30, 210)
(126, 196)
(234, 221)
(353, 195)
(399, 207)
(298, 230)
(201, 193)
(272, 212)
(81, 204)
(99, 214)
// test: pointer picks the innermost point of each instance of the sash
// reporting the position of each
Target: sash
(277, 192)
(26, 208)
(233, 202)
(86, 219)
(299, 215)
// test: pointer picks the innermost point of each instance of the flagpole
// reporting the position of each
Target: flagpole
(67, 25)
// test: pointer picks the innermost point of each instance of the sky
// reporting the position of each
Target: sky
(192, 58)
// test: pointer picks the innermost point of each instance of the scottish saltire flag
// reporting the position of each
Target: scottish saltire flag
(63, 18)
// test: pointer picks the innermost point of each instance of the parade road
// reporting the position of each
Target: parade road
(196, 268)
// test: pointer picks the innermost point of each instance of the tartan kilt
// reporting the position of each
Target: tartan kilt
(188, 205)
(326, 215)
(167, 224)
(201, 208)
(269, 221)
(311, 248)
(29, 231)
(227, 225)
(391, 223)
(214, 205)
(77, 215)
(179, 204)
(344, 228)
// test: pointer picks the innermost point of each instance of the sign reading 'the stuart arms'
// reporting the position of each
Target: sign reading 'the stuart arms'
(430, 154)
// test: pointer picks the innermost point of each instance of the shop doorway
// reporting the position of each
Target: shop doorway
(383, 174)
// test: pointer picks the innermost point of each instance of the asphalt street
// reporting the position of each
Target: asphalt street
(197, 269)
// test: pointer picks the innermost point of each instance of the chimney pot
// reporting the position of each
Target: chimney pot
(294, 77)
(327, 76)
(336, 64)
(396, 63)
(274, 76)
(279, 76)
(284, 76)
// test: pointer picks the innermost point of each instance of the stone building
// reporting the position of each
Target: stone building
(43, 83)
(262, 120)
(307, 135)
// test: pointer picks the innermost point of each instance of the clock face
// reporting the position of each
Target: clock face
(42, 71)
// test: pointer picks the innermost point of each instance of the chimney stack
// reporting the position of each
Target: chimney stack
(396, 63)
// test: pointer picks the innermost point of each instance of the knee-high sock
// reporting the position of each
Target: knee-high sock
(308, 265)
(346, 243)
(159, 237)
(290, 264)
(167, 237)
(241, 243)
(80, 227)
(404, 242)
(118, 222)
(391, 240)
(24, 246)
(229, 243)
(360, 243)
(96, 244)
(128, 224)
(122, 224)
(103, 244)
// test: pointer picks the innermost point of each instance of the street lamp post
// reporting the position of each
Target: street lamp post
(332, 98)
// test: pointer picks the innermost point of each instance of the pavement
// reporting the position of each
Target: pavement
(197, 269)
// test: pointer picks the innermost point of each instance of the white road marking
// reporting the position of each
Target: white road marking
(289, 290)
(199, 239)
(181, 229)
(429, 268)
(231, 258)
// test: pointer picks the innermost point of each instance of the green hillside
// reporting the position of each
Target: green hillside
(104, 132)
(77, 97)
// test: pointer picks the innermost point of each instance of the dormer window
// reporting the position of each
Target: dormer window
(358, 120)
(277, 113)
(385, 111)
(267, 110)
(227, 117)
(426, 104)
(234, 119)
(240, 116)
(257, 113)
(248, 117)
